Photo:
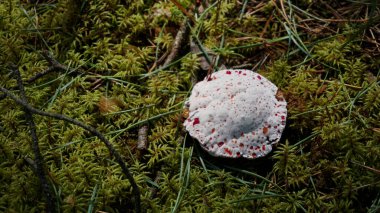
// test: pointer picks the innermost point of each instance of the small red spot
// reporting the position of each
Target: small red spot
(213, 130)
(214, 77)
(220, 144)
(254, 155)
(257, 148)
(283, 117)
(238, 154)
(253, 133)
(228, 72)
(265, 130)
(259, 77)
(275, 127)
(196, 121)
(244, 73)
(251, 147)
(242, 134)
(239, 72)
(263, 147)
(228, 151)
(241, 145)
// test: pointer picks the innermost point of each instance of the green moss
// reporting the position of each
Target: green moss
(327, 160)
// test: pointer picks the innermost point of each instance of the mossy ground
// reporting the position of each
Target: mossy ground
(324, 56)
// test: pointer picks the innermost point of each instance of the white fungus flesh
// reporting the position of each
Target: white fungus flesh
(236, 113)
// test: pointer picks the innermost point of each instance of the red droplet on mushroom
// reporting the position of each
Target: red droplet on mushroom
(244, 102)
(228, 151)
(196, 121)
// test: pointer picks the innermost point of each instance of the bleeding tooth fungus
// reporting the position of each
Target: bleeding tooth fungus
(236, 114)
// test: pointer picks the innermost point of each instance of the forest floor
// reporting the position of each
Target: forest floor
(92, 100)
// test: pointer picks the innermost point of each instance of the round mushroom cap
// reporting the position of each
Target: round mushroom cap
(236, 113)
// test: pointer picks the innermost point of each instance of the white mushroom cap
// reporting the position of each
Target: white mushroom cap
(235, 113)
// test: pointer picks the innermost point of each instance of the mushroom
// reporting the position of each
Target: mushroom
(236, 113)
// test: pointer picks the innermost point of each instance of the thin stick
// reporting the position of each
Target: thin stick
(54, 66)
(142, 142)
(46, 188)
(177, 42)
(180, 7)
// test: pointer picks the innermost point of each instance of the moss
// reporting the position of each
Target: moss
(327, 160)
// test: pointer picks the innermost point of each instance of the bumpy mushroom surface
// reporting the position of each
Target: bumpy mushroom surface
(236, 113)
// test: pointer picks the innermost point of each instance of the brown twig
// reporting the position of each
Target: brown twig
(177, 44)
(40, 74)
(332, 10)
(39, 161)
(266, 26)
(335, 20)
(180, 7)
(54, 65)
(142, 141)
